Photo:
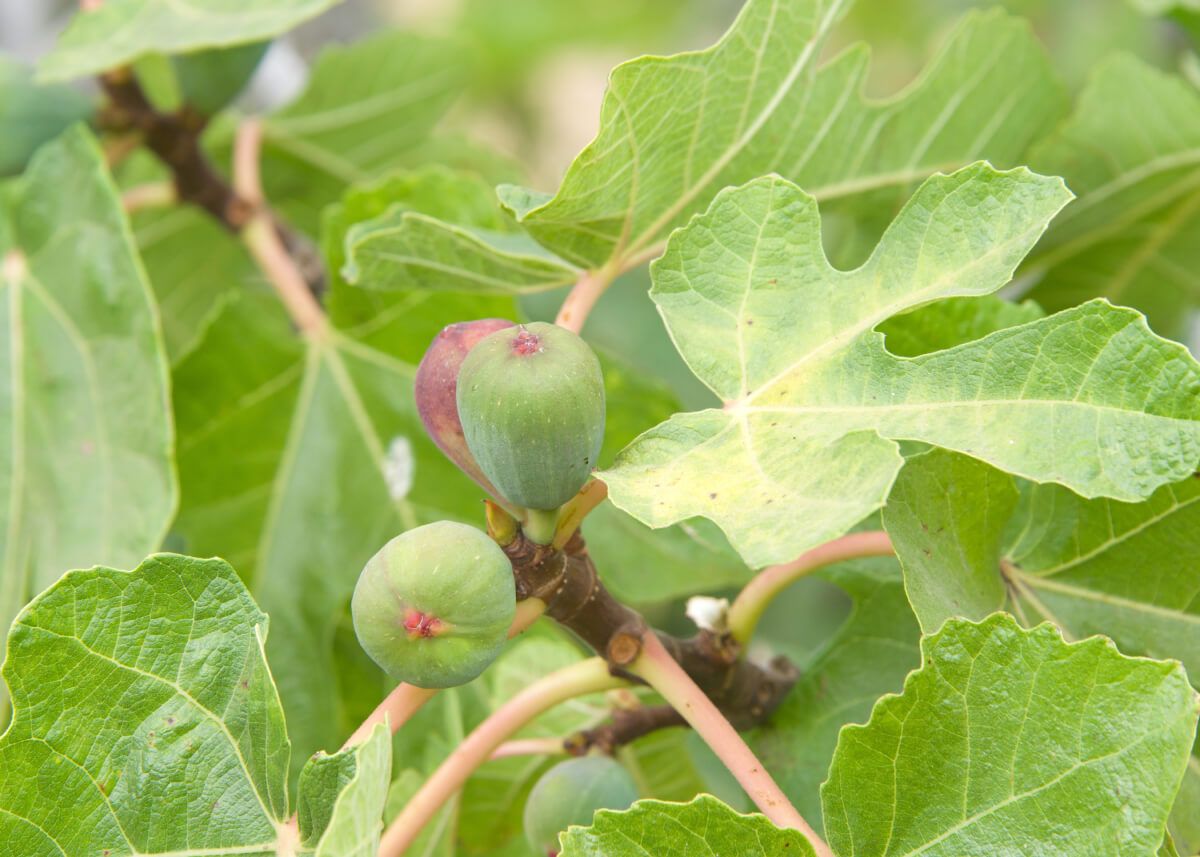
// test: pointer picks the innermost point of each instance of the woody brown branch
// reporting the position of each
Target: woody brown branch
(175, 139)
(566, 581)
(625, 727)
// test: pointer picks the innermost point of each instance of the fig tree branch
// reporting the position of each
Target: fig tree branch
(656, 666)
(580, 678)
(625, 727)
(175, 139)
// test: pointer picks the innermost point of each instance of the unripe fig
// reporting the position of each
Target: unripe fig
(436, 390)
(434, 605)
(531, 401)
(570, 793)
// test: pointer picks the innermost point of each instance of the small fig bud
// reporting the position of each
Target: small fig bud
(570, 793)
(434, 605)
(531, 401)
(436, 390)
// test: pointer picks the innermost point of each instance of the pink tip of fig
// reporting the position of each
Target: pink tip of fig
(525, 343)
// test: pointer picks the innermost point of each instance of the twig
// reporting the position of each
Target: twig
(583, 296)
(151, 195)
(262, 237)
(750, 603)
(583, 677)
(175, 139)
(662, 673)
(529, 747)
(626, 727)
(567, 582)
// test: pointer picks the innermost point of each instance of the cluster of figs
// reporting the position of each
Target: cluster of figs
(519, 409)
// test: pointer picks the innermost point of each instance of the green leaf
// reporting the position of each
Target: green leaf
(147, 717)
(1131, 151)
(32, 114)
(1011, 739)
(86, 439)
(946, 515)
(409, 250)
(674, 131)
(441, 231)
(868, 656)
(697, 829)
(1129, 571)
(342, 797)
(195, 267)
(369, 106)
(952, 322)
(805, 445)
(120, 31)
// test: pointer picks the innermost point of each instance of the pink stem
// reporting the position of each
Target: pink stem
(750, 603)
(662, 673)
(580, 300)
(262, 238)
(530, 747)
(583, 677)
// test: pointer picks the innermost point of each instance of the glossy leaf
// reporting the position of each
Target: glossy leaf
(146, 715)
(1009, 740)
(697, 829)
(674, 131)
(1131, 151)
(119, 31)
(805, 445)
(86, 474)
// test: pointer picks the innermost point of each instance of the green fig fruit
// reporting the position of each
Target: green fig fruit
(434, 605)
(570, 793)
(531, 401)
(436, 390)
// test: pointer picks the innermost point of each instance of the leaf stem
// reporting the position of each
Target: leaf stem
(583, 677)
(754, 598)
(150, 195)
(529, 747)
(662, 673)
(262, 237)
(578, 304)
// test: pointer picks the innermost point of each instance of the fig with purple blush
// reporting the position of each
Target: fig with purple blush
(436, 391)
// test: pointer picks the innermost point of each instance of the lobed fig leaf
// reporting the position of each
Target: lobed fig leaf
(569, 794)
(436, 390)
(434, 605)
(531, 401)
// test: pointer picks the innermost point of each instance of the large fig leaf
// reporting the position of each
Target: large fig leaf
(1132, 153)
(119, 31)
(85, 427)
(1009, 741)
(674, 131)
(805, 445)
(146, 722)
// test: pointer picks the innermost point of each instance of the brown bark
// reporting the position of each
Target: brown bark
(746, 692)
